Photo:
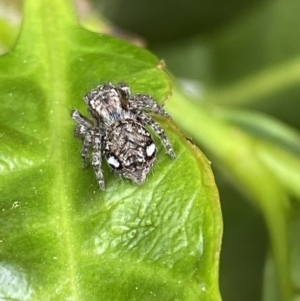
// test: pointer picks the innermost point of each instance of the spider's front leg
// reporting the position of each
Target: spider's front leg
(97, 158)
(147, 120)
(124, 89)
(91, 137)
(83, 131)
(142, 102)
(84, 124)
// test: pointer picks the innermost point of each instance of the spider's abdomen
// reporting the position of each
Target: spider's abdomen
(129, 149)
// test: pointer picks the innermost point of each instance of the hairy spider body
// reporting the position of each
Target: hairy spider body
(119, 131)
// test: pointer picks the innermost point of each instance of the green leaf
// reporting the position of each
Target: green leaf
(61, 238)
(240, 142)
(278, 144)
(9, 24)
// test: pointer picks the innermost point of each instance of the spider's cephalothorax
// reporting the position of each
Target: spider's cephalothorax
(118, 131)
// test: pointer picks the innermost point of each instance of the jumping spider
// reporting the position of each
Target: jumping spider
(118, 129)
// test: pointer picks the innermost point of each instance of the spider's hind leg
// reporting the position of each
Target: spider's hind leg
(147, 120)
(97, 159)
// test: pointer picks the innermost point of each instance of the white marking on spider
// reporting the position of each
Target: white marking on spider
(112, 161)
(150, 150)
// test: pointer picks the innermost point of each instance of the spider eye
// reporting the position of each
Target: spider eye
(113, 162)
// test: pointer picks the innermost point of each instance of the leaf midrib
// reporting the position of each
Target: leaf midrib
(53, 18)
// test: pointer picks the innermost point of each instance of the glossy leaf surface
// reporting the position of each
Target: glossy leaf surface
(61, 238)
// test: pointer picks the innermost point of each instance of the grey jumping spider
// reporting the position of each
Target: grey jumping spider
(118, 130)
